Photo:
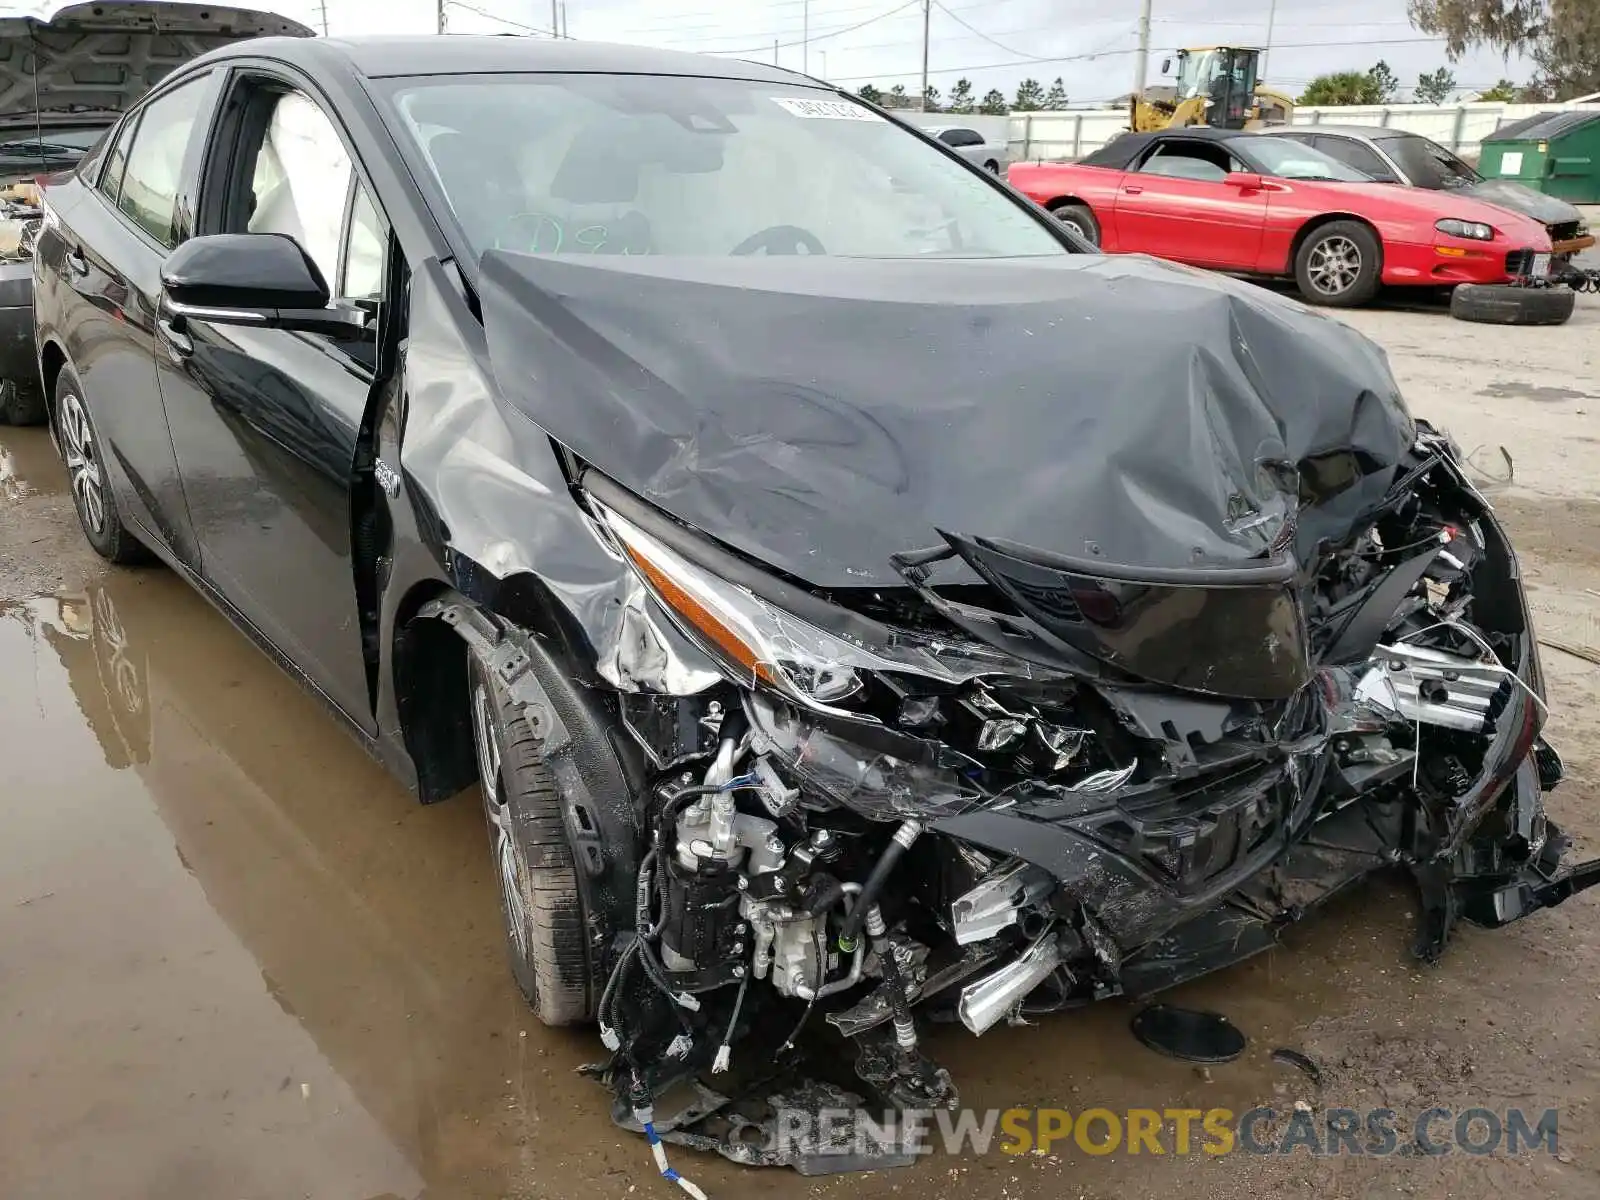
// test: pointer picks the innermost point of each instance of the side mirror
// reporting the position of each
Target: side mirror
(1245, 181)
(1166, 65)
(262, 279)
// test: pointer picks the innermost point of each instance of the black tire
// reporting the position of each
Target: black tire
(92, 496)
(21, 403)
(1080, 219)
(540, 900)
(1501, 304)
(992, 167)
(1339, 265)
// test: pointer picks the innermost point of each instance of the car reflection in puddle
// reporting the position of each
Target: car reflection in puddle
(326, 1013)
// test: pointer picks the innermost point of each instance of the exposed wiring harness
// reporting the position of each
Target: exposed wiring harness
(646, 1117)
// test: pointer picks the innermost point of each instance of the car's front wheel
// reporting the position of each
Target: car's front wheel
(84, 455)
(1339, 264)
(992, 167)
(534, 867)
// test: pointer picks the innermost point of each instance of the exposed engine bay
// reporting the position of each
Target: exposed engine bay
(993, 839)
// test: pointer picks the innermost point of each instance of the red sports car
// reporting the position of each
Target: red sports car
(1241, 202)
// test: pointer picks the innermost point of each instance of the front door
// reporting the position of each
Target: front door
(265, 422)
(1174, 203)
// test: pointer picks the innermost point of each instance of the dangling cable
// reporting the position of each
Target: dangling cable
(646, 1117)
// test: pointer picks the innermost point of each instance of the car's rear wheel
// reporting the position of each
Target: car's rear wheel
(534, 866)
(1080, 219)
(1502, 304)
(992, 167)
(83, 454)
(1339, 264)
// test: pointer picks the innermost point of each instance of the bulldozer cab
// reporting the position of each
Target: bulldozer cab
(1223, 80)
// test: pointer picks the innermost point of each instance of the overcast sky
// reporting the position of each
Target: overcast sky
(994, 43)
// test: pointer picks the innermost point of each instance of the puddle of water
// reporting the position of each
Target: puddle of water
(12, 485)
(1544, 393)
(238, 958)
(28, 464)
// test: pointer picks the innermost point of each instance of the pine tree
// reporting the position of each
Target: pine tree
(1030, 96)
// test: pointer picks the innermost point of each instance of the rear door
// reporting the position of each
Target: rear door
(265, 421)
(1172, 202)
(105, 263)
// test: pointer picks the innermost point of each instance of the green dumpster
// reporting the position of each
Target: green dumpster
(1557, 153)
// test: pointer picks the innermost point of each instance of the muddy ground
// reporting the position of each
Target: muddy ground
(237, 961)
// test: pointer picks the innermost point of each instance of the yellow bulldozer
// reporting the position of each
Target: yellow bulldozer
(1216, 86)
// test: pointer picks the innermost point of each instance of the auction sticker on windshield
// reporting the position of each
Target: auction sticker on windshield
(826, 110)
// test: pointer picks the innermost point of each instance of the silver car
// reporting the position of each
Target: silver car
(971, 145)
(1411, 160)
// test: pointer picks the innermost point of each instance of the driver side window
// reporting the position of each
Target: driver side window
(293, 176)
(300, 180)
(1198, 161)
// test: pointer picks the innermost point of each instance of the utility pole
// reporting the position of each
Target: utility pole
(323, 9)
(1141, 61)
(564, 32)
(439, 25)
(927, 18)
(1272, 15)
(555, 18)
(774, 51)
(824, 54)
(805, 37)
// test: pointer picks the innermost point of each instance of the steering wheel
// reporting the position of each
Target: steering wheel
(781, 239)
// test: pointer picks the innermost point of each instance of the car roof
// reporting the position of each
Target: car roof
(1375, 133)
(469, 54)
(1122, 150)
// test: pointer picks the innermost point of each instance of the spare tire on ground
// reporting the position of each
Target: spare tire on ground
(1503, 304)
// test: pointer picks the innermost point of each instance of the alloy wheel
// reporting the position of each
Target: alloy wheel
(499, 814)
(1334, 265)
(1076, 228)
(79, 450)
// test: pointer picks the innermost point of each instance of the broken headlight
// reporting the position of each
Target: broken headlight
(759, 643)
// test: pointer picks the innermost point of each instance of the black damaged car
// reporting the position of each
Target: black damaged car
(858, 612)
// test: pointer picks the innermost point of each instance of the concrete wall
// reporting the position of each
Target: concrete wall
(1072, 134)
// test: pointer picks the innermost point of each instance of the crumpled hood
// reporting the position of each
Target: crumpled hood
(1519, 198)
(822, 414)
(102, 56)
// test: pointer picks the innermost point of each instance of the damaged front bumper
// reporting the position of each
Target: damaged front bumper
(990, 848)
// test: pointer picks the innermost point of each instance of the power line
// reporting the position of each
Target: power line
(472, 8)
(959, 21)
(821, 37)
(1025, 62)
(744, 32)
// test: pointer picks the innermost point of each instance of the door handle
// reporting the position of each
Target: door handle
(1134, 191)
(179, 346)
(77, 263)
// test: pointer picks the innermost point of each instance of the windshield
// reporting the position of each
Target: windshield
(639, 164)
(1428, 164)
(1196, 68)
(1289, 159)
